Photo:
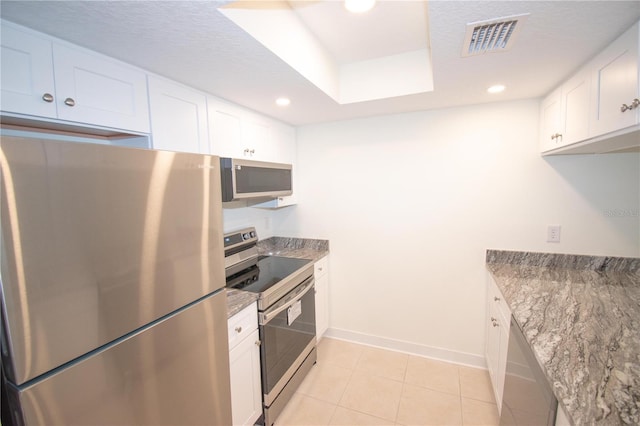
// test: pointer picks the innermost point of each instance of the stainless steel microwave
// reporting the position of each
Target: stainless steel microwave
(243, 179)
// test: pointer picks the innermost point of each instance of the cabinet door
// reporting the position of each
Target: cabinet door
(322, 306)
(615, 82)
(178, 117)
(501, 368)
(321, 275)
(225, 124)
(575, 109)
(256, 138)
(550, 121)
(492, 345)
(97, 90)
(27, 74)
(246, 391)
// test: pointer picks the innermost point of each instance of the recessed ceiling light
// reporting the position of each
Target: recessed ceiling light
(359, 6)
(496, 89)
(283, 101)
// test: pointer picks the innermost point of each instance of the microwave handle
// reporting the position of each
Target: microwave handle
(268, 315)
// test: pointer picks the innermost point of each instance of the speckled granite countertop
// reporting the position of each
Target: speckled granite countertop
(301, 248)
(581, 317)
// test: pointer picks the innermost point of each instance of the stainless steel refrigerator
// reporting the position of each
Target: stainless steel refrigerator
(113, 302)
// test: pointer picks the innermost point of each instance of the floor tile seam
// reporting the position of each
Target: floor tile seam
(364, 412)
(371, 373)
(434, 389)
(493, 402)
(460, 396)
(346, 387)
(341, 402)
(334, 405)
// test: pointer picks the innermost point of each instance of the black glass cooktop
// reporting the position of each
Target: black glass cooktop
(266, 273)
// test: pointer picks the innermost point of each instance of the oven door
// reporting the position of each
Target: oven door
(288, 335)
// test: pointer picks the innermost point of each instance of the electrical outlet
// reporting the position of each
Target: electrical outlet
(553, 233)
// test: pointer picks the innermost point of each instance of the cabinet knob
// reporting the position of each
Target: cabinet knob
(47, 97)
(258, 343)
(495, 324)
(556, 136)
(493, 319)
(634, 104)
(238, 329)
(69, 102)
(496, 298)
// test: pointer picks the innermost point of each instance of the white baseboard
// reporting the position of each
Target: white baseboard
(439, 354)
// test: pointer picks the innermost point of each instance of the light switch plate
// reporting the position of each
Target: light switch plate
(553, 234)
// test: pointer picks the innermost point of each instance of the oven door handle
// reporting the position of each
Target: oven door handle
(302, 290)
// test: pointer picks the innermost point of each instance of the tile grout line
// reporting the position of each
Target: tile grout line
(460, 388)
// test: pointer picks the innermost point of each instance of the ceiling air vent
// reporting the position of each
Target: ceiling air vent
(495, 35)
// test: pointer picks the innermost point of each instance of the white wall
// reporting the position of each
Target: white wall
(236, 215)
(411, 202)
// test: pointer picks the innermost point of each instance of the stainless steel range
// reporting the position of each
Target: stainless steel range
(286, 315)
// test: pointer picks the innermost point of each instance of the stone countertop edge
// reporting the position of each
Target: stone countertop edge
(301, 248)
(581, 317)
(237, 300)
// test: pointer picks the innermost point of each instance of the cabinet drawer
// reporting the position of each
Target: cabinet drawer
(496, 299)
(321, 267)
(242, 324)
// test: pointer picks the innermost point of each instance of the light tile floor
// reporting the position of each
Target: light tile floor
(353, 384)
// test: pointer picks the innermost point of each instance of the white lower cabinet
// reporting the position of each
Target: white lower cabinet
(244, 364)
(321, 274)
(497, 337)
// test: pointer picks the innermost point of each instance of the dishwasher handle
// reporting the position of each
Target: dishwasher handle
(292, 297)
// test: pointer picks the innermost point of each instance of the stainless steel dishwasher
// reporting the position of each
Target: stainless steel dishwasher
(527, 398)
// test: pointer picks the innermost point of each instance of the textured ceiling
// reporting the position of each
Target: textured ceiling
(191, 42)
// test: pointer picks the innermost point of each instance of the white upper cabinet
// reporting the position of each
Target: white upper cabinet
(615, 84)
(178, 117)
(45, 78)
(225, 128)
(27, 74)
(575, 108)
(237, 132)
(550, 128)
(598, 109)
(564, 114)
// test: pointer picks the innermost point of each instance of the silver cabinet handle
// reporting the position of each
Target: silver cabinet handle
(494, 319)
(496, 298)
(47, 97)
(495, 324)
(634, 104)
(556, 136)
(238, 329)
(69, 102)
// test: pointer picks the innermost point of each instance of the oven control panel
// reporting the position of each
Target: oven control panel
(241, 237)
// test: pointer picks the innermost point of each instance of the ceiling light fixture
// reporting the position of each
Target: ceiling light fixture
(496, 89)
(283, 102)
(359, 6)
